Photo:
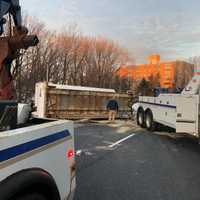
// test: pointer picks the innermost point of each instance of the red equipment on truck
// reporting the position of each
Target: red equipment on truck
(10, 46)
(9, 50)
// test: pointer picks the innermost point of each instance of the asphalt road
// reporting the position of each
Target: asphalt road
(145, 167)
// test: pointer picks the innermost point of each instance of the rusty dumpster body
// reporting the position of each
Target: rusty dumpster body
(76, 102)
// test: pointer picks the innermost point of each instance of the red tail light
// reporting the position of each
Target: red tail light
(70, 154)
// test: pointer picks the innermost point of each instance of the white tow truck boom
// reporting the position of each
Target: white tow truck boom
(194, 85)
(178, 111)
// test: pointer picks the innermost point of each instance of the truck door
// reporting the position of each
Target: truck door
(187, 114)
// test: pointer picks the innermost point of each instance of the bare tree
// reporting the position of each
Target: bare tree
(195, 61)
(68, 58)
(182, 74)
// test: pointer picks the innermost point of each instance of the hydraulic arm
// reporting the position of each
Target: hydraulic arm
(10, 45)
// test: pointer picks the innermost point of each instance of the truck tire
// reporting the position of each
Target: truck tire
(149, 122)
(140, 118)
(31, 196)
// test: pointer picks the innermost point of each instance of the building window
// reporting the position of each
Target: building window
(167, 74)
(167, 66)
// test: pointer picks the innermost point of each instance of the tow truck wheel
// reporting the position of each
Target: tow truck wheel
(149, 122)
(140, 118)
(33, 196)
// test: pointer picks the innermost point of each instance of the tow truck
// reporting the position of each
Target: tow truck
(178, 111)
(36, 155)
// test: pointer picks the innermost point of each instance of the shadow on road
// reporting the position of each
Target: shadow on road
(180, 139)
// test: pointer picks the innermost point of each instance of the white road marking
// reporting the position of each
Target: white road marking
(88, 153)
(79, 152)
(120, 141)
(107, 142)
(102, 148)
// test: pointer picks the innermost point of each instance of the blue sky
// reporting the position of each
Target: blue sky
(168, 27)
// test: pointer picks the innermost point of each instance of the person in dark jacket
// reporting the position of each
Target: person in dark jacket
(113, 108)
